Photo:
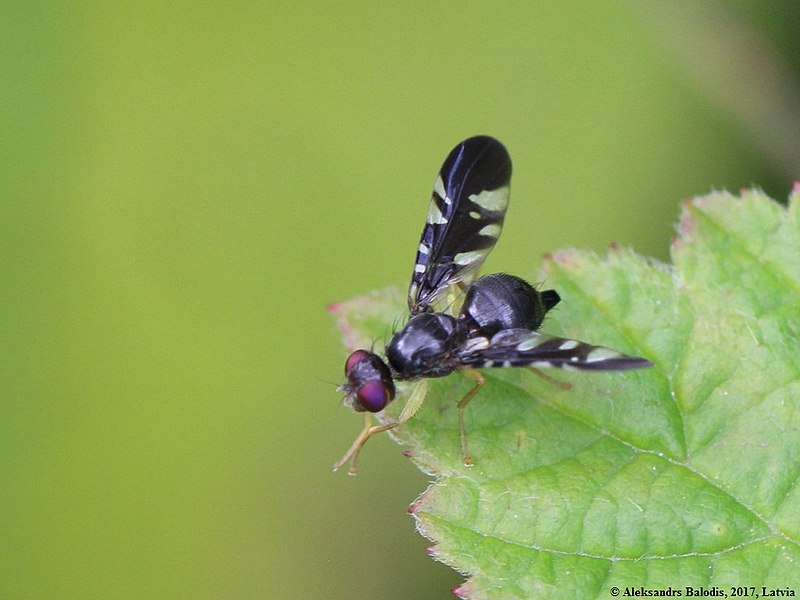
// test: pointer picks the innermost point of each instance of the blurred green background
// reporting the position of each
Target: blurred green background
(186, 187)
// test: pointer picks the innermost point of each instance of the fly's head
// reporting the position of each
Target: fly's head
(369, 386)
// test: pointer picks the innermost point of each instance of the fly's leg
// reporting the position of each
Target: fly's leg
(462, 404)
(564, 385)
(409, 410)
(366, 433)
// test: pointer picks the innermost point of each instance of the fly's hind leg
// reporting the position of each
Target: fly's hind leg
(564, 385)
(462, 404)
(479, 380)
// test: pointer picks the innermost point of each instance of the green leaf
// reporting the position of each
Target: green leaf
(685, 474)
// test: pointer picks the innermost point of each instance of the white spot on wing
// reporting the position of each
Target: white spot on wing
(419, 268)
(423, 249)
(435, 216)
(466, 258)
(492, 230)
(438, 187)
(600, 354)
(529, 344)
(495, 200)
(569, 345)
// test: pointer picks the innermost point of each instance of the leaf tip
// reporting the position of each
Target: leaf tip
(794, 196)
(461, 591)
(687, 224)
(421, 503)
(563, 258)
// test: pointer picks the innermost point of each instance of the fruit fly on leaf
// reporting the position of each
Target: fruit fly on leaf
(499, 317)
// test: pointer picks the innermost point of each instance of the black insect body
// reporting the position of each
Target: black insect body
(497, 323)
(500, 301)
(435, 344)
(427, 346)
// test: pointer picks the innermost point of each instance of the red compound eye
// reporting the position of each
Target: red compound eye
(354, 360)
(373, 396)
(369, 386)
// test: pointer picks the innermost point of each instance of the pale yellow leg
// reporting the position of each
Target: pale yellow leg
(479, 381)
(564, 385)
(366, 433)
(409, 410)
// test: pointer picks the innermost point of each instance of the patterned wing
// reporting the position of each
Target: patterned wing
(525, 348)
(464, 220)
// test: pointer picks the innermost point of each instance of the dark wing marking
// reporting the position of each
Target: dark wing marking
(465, 217)
(525, 348)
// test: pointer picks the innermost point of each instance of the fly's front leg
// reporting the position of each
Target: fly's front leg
(409, 410)
(366, 433)
(479, 381)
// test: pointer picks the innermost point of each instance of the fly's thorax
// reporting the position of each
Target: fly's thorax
(425, 347)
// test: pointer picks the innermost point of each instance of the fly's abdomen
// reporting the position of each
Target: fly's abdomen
(498, 302)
